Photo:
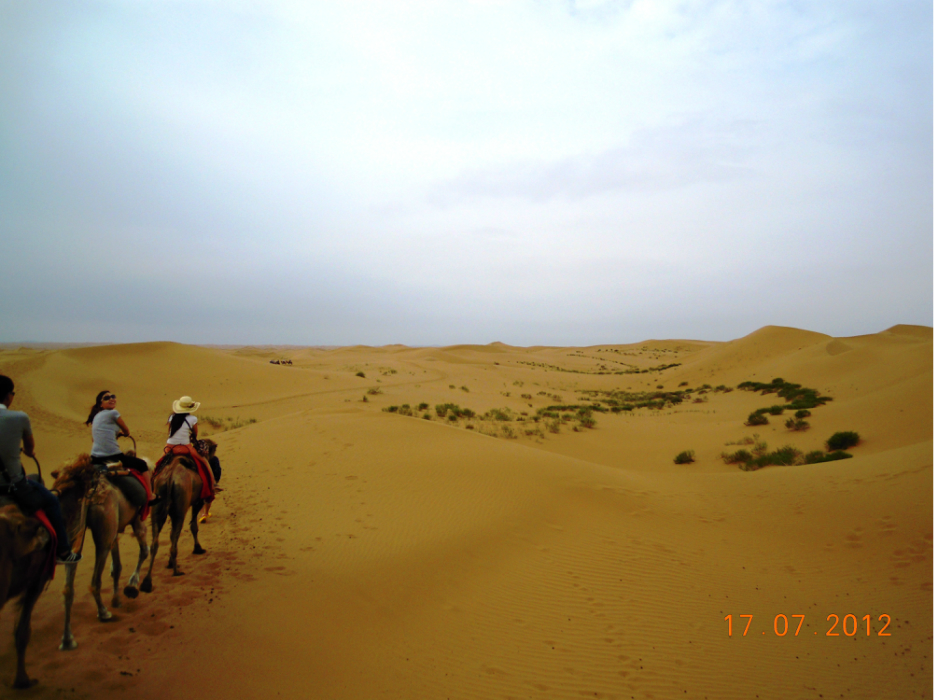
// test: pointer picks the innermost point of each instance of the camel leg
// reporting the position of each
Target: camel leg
(22, 631)
(116, 566)
(158, 520)
(139, 531)
(194, 527)
(177, 523)
(104, 540)
(68, 639)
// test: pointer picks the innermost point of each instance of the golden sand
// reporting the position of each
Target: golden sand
(358, 553)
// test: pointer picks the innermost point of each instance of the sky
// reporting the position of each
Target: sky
(533, 172)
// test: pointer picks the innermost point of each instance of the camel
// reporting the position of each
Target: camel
(179, 485)
(90, 502)
(24, 552)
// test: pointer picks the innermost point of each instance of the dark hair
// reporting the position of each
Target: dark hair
(96, 408)
(178, 419)
(6, 386)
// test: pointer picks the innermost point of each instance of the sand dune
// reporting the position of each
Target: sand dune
(361, 553)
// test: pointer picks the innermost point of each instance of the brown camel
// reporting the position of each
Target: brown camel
(24, 551)
(91, 502)
(179, 485)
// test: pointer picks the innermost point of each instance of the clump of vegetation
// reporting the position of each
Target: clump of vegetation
(757, 419)
(797, 396)
(761, 457)
(686, 457)
(465, 389)
(452, 409)
(361, 374)
(803, 413)
(738, 457)
(374, 391)
(797, 425)
(841, 441)
(817, 456)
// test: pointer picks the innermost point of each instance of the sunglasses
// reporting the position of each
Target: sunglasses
(108, 397)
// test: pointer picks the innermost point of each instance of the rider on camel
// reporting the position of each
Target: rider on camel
(29, 494)
(106, 426)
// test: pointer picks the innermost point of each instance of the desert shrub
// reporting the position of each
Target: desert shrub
(797, 425)
(374, 391)
(737, 457)
(391, 409)
(361, 374)
(757, 419)
(760, 448)
(817, 456)
(588, 421)
(776, 410)
(441, 409)
(464, 388)
(406, 410)
(841, 441)
(427, 416)
(783, 456)
(508, 432)
(685, 457)
(803, 413)
(683, 384)
(527, 397)
(365, 399)
(553, 425)
(501, 414)
(422, 406)
(452, 417)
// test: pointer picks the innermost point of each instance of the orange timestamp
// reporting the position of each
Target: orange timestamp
(850, 625)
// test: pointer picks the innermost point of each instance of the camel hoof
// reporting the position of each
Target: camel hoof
(68, 644)
(131, 591)
(200, 550)
(145, 587)
(178, 573)
(23, 683)
(105, 616)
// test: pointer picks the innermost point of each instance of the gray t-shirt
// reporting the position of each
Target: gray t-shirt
(104, 429)
(14, 426)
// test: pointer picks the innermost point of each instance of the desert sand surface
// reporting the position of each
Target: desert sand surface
(358, 552)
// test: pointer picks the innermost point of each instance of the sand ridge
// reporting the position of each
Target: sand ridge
(361, 553)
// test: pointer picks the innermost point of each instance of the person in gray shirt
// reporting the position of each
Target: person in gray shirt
(28, 494)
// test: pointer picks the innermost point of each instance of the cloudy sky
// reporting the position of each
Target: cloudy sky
(530, 171)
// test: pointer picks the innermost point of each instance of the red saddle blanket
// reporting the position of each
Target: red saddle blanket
(49, 569)
(144, 511)
(204, 469)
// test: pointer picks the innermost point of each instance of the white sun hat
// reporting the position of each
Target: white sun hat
(185, 405)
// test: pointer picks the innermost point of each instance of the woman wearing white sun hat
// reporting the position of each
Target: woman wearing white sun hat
(183, 430)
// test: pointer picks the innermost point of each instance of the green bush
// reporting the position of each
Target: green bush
(361, 374)
(797, 425)
(738, 457)
(588, 421)
(817, 456)
(757, 419)
(841, 441)
(803, 413)
(685, 457)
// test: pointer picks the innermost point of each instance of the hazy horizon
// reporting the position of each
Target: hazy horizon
(536, 173)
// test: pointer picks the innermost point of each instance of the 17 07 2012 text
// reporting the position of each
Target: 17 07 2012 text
(850, 625)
